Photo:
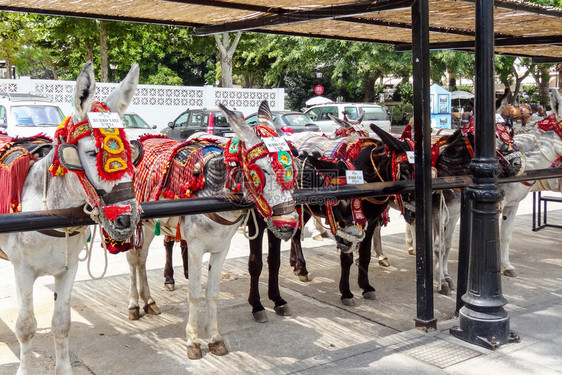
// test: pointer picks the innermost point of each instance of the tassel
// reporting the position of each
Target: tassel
(157, 229)
(178, 232)
(89, 238)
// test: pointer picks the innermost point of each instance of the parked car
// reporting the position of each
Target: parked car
(26, 115)
(287, 122)
(374, 113)
(212, 121)
(135, 126)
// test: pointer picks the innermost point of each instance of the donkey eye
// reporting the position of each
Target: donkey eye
(92, 153)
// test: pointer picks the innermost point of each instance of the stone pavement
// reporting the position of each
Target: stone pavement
(321, 337)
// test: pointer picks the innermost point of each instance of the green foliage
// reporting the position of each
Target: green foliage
(164, 76)
(400, 113)
(404, 92)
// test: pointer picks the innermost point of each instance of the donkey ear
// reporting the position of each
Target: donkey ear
(69, 158)
(84, 91)
(361, 117)
(344, 124)
(240, 127)
(389, 139)
(556, 104)
(137, 151)
(265, 117)
(121, 97)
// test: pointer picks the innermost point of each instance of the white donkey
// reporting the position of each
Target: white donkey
(246, 165)
(541, 146)
(77, 180)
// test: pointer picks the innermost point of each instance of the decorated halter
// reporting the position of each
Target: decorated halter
(114, 160)
(238, 158)
(550, 124)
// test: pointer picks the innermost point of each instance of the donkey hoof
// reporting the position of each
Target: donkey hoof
(194, 352)
(283, 310)
(370, 295)
(412, 252)
(134, 313)
(450, 283)
(218, 348)
(384, 263)
(445, 290)
(348, 301)
(152, 309)
(170, 287)
(304, 278)
(260, 316)
(510, 273)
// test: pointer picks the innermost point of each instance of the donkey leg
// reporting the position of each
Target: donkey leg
(194, 294)
(506, 229)
(216, 344)
(26, 324)
(365, 261)
(60, 323)
(346, 260)
(149, 306)
(135, 258)
(411, 237)
(274, 263)
(169, 282)
(255, 266)
(183, 246)
(377, 246)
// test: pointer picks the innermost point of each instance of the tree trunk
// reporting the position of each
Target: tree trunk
(452, 81)
(8, 67)
(543, 79)
(226, 52)
(104, 65)
(89, 51)
(369, 90)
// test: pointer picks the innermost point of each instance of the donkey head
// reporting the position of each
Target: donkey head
(268, 171)
(102, 159)
(345, 217)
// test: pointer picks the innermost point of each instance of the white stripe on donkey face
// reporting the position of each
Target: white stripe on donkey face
(71, 175)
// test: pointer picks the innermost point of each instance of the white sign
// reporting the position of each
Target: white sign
(354, 177)
(105, 120)
(275, 144)
(411, 157)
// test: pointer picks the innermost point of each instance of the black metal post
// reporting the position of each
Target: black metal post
(464, 249)
(483, 320)
(422, 136)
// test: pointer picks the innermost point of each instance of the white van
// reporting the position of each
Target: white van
(374, 113)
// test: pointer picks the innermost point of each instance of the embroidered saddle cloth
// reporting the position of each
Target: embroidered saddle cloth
(16, 157)
(172, 169)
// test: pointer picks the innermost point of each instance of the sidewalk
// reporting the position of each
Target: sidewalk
(321, 337)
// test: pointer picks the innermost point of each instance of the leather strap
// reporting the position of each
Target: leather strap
(527, 183)
(221, 220)
(3, 255)
(56, 233)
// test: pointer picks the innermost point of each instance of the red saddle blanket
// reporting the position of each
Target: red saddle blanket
(16, 157)
(170, 168)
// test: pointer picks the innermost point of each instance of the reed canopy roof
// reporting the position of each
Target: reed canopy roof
(521, 29)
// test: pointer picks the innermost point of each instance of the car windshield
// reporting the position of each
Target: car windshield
(134, 121)
(36, 115)
(296, 119)
(374, 113)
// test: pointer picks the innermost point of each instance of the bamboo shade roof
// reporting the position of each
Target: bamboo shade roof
(452, 22)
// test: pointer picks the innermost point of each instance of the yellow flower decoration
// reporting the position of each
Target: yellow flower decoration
(113, 144)
(115, 164)
(109, 131)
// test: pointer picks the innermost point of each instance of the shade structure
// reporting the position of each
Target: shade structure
(459, 94)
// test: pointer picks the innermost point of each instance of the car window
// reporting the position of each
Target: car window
(328, 111)
(195, 119)
(352, 113)
(35, 115)
(3, 116)
(181, 121)
(134, 121)
(314, 113)
(252, 120)
(297, 119)
(220, 120)
(374, 113)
